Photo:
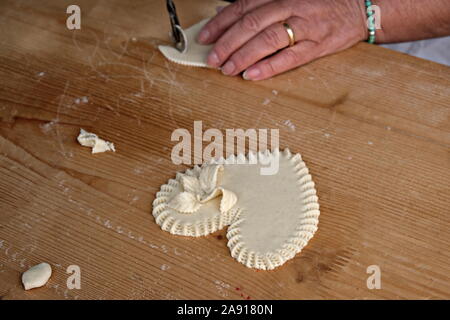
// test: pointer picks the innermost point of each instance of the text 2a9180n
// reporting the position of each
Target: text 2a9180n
(247, 309)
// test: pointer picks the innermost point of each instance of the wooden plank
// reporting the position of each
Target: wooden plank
(371, 124)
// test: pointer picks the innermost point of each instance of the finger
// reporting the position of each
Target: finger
(225, 18)
(245, 29)
(267, 42)
(287, 59)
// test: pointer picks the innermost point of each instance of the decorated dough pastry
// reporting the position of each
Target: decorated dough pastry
(270, 217)
(194, 54)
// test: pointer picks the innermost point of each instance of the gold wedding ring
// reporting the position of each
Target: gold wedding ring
(290, 33)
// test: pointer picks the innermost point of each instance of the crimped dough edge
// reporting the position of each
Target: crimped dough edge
(163, 49)
(297, 241)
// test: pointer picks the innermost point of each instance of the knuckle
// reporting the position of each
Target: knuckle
(271, 38)
(270, 69)
(286, 4)
(291, 57)
(250, 22)
(223, 49)
(239, 59)
(240, 7)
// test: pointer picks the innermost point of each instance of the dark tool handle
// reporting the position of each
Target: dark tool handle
(174, 21)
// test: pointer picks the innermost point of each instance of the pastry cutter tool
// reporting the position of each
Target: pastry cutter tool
(178, 35)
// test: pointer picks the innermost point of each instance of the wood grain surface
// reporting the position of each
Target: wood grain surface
(372, 125)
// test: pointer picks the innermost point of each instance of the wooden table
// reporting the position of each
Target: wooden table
(371, 124)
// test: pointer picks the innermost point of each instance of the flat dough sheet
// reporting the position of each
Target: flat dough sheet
(195, 54)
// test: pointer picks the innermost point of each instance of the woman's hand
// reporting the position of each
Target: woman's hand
(249, 34)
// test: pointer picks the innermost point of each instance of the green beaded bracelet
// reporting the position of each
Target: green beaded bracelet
(371, 22)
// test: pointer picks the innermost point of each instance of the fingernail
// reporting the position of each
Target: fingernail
(219, 8)
(251, 74)
(228, 68)
(203, 36)
(213, 59)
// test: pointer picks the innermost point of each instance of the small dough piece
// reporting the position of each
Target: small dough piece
(91, 140)
(195, 54)
(36, 276)
(270, 218)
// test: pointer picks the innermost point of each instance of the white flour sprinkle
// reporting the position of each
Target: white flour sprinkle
(266, 102)
(165, 267)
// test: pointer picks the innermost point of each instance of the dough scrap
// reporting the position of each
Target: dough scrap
(195, 54)
(88, 139)
(36, 276)
(270, 218)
